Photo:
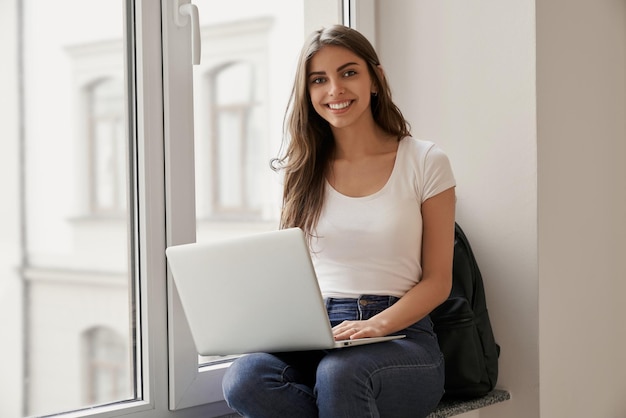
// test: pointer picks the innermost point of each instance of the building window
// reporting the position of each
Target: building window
(234, 139)
(106, 366)
(234, 134)
(107, 145)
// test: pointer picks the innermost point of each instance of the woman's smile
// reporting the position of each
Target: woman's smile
(339, 105)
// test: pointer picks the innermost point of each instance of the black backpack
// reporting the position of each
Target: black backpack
(463, 328)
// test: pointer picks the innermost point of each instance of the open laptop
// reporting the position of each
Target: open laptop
(256, 293)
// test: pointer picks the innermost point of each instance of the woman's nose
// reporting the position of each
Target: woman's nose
(336, 88)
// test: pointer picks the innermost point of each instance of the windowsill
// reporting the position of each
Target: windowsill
(449, 408)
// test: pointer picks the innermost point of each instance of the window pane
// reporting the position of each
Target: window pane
(75, 283)
(241, 89)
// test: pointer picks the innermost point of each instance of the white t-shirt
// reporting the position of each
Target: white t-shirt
(372, 245)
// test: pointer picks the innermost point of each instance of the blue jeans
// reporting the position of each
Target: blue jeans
(394, 379)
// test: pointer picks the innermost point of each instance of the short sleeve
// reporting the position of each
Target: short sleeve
(437, 175)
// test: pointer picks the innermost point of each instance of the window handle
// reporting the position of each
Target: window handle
(185, 11)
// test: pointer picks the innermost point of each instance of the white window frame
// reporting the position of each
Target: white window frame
(361, 15)
(171, 382)
(147, 112)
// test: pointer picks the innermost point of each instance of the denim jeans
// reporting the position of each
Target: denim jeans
(393, 379)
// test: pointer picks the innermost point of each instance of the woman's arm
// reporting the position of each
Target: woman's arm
(434, 287)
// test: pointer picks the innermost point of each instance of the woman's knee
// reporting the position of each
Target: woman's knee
(247, 374)
(339, 371)
(265, 385)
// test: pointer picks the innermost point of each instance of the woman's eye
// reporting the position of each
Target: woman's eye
(318, 80)
(349, 73)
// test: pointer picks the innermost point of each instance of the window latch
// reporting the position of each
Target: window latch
(185, 12)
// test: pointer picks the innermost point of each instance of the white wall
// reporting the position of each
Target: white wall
(530, 106)
(464, 75)
(581, 100)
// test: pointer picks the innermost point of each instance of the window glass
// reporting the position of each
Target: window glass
(75, 311)
(241, 88)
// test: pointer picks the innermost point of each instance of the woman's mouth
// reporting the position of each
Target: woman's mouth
(339, 105)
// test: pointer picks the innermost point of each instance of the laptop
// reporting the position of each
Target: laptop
(256, 293)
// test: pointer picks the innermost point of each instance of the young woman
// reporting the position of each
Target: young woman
(378, 207)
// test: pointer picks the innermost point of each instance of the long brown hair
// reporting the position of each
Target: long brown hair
(309, 139)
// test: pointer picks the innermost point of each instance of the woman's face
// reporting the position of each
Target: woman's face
(340, 87)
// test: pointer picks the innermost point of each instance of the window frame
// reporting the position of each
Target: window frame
(143, 79)
(170, 380)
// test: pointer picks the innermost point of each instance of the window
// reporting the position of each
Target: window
(231, 118)
(106, 366)
(107, 150)
(98, 124)
(232, 136)
(99, 134)
(74, 268)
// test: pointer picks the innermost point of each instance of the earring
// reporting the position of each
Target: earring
(374, 93)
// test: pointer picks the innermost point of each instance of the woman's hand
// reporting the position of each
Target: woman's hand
(349, 330)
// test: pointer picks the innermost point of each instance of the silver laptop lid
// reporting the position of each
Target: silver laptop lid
(253, 293)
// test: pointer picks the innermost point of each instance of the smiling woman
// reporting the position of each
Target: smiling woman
(378, 208)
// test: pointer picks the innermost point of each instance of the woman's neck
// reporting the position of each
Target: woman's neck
(363, 140)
